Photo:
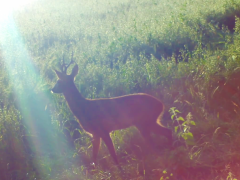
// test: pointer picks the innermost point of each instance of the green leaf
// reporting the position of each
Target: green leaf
(193, 123)
(180, 119)
(172, 116)
(185, 129)
(183, 124)
(177, 111)
(188, 135)
(175, 129)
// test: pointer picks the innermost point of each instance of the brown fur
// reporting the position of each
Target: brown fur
(101, 116)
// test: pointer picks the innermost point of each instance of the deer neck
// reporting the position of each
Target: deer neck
(74, 99)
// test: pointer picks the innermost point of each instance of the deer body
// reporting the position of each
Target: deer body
(101, 116)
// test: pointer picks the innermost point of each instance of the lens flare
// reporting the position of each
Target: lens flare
(24, 79)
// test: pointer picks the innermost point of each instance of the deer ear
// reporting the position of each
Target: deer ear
(74, 71)
(59, 74)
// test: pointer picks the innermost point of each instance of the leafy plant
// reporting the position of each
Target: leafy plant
(182, 129)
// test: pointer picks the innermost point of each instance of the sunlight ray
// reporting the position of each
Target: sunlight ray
(24, 79)
(8, 6)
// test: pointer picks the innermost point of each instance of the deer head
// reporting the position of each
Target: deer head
(64, 80)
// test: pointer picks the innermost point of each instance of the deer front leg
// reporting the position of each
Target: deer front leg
(108, 141)
(96, 141)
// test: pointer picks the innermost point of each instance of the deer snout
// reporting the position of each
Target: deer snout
(56, 89)
(53, 91)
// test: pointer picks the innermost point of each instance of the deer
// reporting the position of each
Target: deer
(99, 117)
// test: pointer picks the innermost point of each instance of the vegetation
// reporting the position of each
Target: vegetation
(184, 52)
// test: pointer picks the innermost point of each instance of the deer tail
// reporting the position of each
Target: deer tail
(159, 119)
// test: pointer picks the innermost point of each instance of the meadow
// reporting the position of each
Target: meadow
(184, 52)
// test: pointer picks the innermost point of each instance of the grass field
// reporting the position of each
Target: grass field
(184, 52)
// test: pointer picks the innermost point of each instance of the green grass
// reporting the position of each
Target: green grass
(182, 52)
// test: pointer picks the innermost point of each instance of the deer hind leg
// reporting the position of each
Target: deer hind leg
(108, 141)
(158, 129)
(145, 132)
(96, 141)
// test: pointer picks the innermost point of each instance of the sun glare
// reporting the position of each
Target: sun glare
(10, 5)
(22, 74)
